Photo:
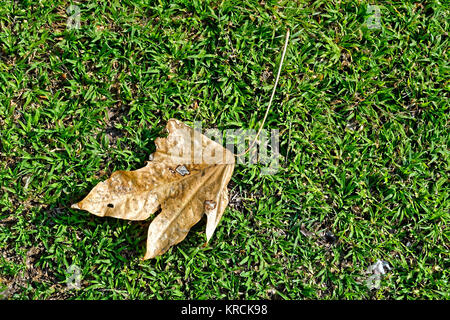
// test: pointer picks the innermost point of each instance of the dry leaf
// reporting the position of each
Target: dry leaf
(186, 177)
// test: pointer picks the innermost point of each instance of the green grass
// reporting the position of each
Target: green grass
(364, 122)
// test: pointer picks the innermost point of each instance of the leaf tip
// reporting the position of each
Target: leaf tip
(147, 256)
(75, 206)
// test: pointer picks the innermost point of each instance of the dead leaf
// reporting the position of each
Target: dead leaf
(187, 177)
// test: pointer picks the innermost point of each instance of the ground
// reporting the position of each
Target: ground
(362, 111)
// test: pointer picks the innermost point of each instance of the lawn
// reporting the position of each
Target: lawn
(362, 108)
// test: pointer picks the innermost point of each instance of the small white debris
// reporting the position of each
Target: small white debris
(210, 205)
(182, 170)
(376, 270)
(379, 267)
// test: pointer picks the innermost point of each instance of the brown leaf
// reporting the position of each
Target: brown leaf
(187, 177)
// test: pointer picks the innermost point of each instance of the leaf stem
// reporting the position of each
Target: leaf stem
(271, 97)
